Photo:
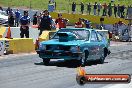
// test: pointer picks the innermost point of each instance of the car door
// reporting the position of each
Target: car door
(94, 45)
(101, 44)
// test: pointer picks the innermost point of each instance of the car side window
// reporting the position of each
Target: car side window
(100, 38)
(94, 37)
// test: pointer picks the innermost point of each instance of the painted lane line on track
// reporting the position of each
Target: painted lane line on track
(129, 85)
(119, 43)
(16, 55)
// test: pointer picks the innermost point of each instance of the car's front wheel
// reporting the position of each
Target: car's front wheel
(46, 61)
(103, 56)
(101, 60)
(83, 58)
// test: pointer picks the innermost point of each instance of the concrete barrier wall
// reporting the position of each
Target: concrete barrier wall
(17, 44)
(24, 45)
(20, 45)
(15, 33)
(33, 33)
(2, 31)
(94, 19)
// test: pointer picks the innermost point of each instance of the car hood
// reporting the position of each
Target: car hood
(56, 42)
(3, 17)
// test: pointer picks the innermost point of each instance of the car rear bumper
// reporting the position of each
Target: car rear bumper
(67, 55)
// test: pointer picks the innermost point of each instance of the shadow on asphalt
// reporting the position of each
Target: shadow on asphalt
(68, 64)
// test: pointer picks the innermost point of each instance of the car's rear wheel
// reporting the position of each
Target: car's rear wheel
(103, 56)
(83, 59)
(46, 61)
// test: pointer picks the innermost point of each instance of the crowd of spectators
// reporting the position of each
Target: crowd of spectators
(97, 8)
(45, 22)
(102, 9)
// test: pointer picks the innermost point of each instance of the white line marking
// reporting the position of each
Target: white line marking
(129, 85)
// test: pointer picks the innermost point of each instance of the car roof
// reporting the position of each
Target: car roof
(78, 29)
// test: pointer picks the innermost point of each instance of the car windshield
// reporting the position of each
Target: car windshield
(3, 13)
(80, 34)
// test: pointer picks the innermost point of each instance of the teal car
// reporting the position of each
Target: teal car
(80, 44)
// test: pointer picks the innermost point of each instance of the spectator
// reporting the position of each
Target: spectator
(109, 10)
(8, 10)
(99, 8)
(39, 18)
(61, 21)
(53, 24)
(122, 11)
(129, 11)
(95, 8)
(73, 7)
(49, 2)
(24, 22)
(105, 9)
(11, 18)
(35, 19)
(82, 7)
(101, 22)
(118, 11)
(45, 22)
(89, 8)
(87, 23)
(79, 24)
(1, 8)
(17, 17)
(115, 10)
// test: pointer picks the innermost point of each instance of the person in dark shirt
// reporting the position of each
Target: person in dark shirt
(24, 22)
(95, 8)
(11, 18)
(109, 10)
(35, 18)
(73, 7)
(1, 8)
(99, 8)
(8, 10)
(45, 22)
(89, 8)
(105, 9)
(119, 10)
(82, 7)
(115, 10)
(87, 23)
(122, 11)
